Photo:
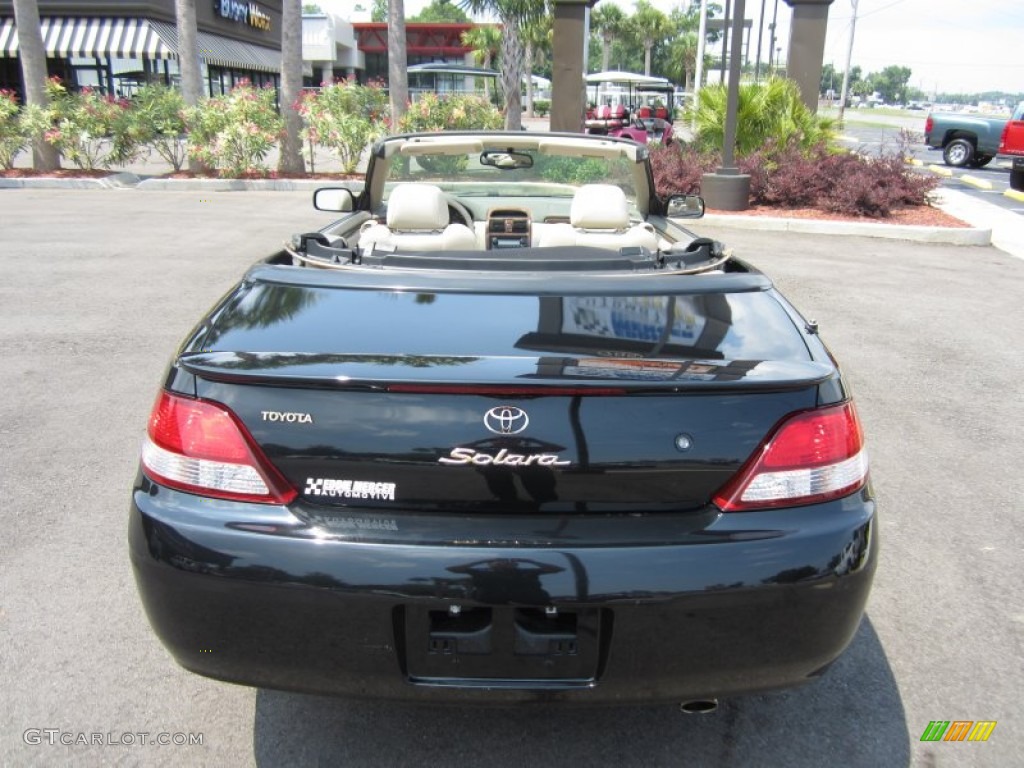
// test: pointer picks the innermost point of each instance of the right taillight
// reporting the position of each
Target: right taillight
(812, 456)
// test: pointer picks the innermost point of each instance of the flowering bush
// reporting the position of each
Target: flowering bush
(13, 134)
(156, 119)
(235, 132)
(88, 128)
(455, 112)
(344, 117)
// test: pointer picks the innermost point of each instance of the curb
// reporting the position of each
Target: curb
(921, 234)
(938, 170)
(127, 180)
(54, 183)
(235, 185)
(1014, 194)
(976, 182)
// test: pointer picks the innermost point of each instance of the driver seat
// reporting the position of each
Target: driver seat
(417, 220)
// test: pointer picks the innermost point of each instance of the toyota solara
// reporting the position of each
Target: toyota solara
(505, 431)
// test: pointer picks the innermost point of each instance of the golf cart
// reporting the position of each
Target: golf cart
(631, 106)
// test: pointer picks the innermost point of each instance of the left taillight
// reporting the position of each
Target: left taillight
(201, 447)
(812, 456)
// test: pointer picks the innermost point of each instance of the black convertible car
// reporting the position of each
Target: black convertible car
(503, 432)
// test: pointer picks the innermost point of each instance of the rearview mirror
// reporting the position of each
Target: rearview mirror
(685, 207)
(336, 199)
(506, 159)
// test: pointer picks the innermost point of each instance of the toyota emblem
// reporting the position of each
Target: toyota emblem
(506, 420)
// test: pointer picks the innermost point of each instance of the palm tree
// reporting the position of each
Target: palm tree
(537, 37)
(290, 159)
(485, 42)
(398, 76)
(610, 22)
(650, 26)
(188, 62)
(514, 16)
(45, 156)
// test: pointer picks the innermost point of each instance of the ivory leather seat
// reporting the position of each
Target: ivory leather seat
(417, 220)
(599, 216)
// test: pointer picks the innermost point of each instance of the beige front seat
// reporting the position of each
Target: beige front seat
(599, 217)
(417, 220)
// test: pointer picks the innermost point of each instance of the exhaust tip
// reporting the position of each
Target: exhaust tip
(699, 706)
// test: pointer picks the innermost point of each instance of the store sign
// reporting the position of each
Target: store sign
(244, 13)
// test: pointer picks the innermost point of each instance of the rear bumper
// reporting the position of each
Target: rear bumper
(738, 603)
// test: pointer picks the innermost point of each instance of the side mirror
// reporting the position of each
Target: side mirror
(685, 207)
(336, 199)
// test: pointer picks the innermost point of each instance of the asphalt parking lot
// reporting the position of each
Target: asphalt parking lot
(99, 286)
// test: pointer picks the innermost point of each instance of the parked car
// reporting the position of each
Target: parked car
(1011, 143)
(965, 140)
(505, 431)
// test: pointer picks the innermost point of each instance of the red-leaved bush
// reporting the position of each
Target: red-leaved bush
(789, 177)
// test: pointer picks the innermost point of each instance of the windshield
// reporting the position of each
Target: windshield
(548, 175)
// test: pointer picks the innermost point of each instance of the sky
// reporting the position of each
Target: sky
(951, 46)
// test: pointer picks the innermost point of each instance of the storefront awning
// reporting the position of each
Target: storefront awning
(223, 52)
(64, 37)
(132, 38)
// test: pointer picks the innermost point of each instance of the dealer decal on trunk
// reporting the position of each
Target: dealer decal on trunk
(349, 489)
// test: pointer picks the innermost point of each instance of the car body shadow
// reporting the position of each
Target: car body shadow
(853, 715)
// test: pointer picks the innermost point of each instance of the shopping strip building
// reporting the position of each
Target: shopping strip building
(117, 46)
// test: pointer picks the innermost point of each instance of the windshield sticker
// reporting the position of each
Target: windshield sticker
(349, 489)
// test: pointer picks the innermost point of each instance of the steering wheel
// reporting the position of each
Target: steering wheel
(459, 210)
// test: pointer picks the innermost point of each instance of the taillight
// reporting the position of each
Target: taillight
(811, 457)
(201, 447)
(928, 124)
(1002, 137)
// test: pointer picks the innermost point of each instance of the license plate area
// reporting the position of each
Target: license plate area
(501, 643)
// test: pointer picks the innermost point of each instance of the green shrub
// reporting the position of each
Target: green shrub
(156, 119)
(14, 135)
(234, 133)
(88, 128)
(769, 113)
(541, 107)
(572, 170)
(344, 117)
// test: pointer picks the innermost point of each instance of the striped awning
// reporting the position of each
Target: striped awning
(64, 37)
(133, 38)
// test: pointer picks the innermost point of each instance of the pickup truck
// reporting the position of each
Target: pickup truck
(1011, 142)
(965, 140)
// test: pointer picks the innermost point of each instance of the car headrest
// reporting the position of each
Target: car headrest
(417, 206)
(599, 206)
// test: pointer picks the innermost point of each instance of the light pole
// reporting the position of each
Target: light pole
(727, 189)
(849, 59)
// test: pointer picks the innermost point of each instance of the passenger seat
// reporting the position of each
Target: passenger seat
(599, 217)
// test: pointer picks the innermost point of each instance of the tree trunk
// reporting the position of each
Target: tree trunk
(290, 159)
(647, 56)
(606, 51)
(512, 75)
(45, 157)
(528, 60)
(398, 76)
(188, 62)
